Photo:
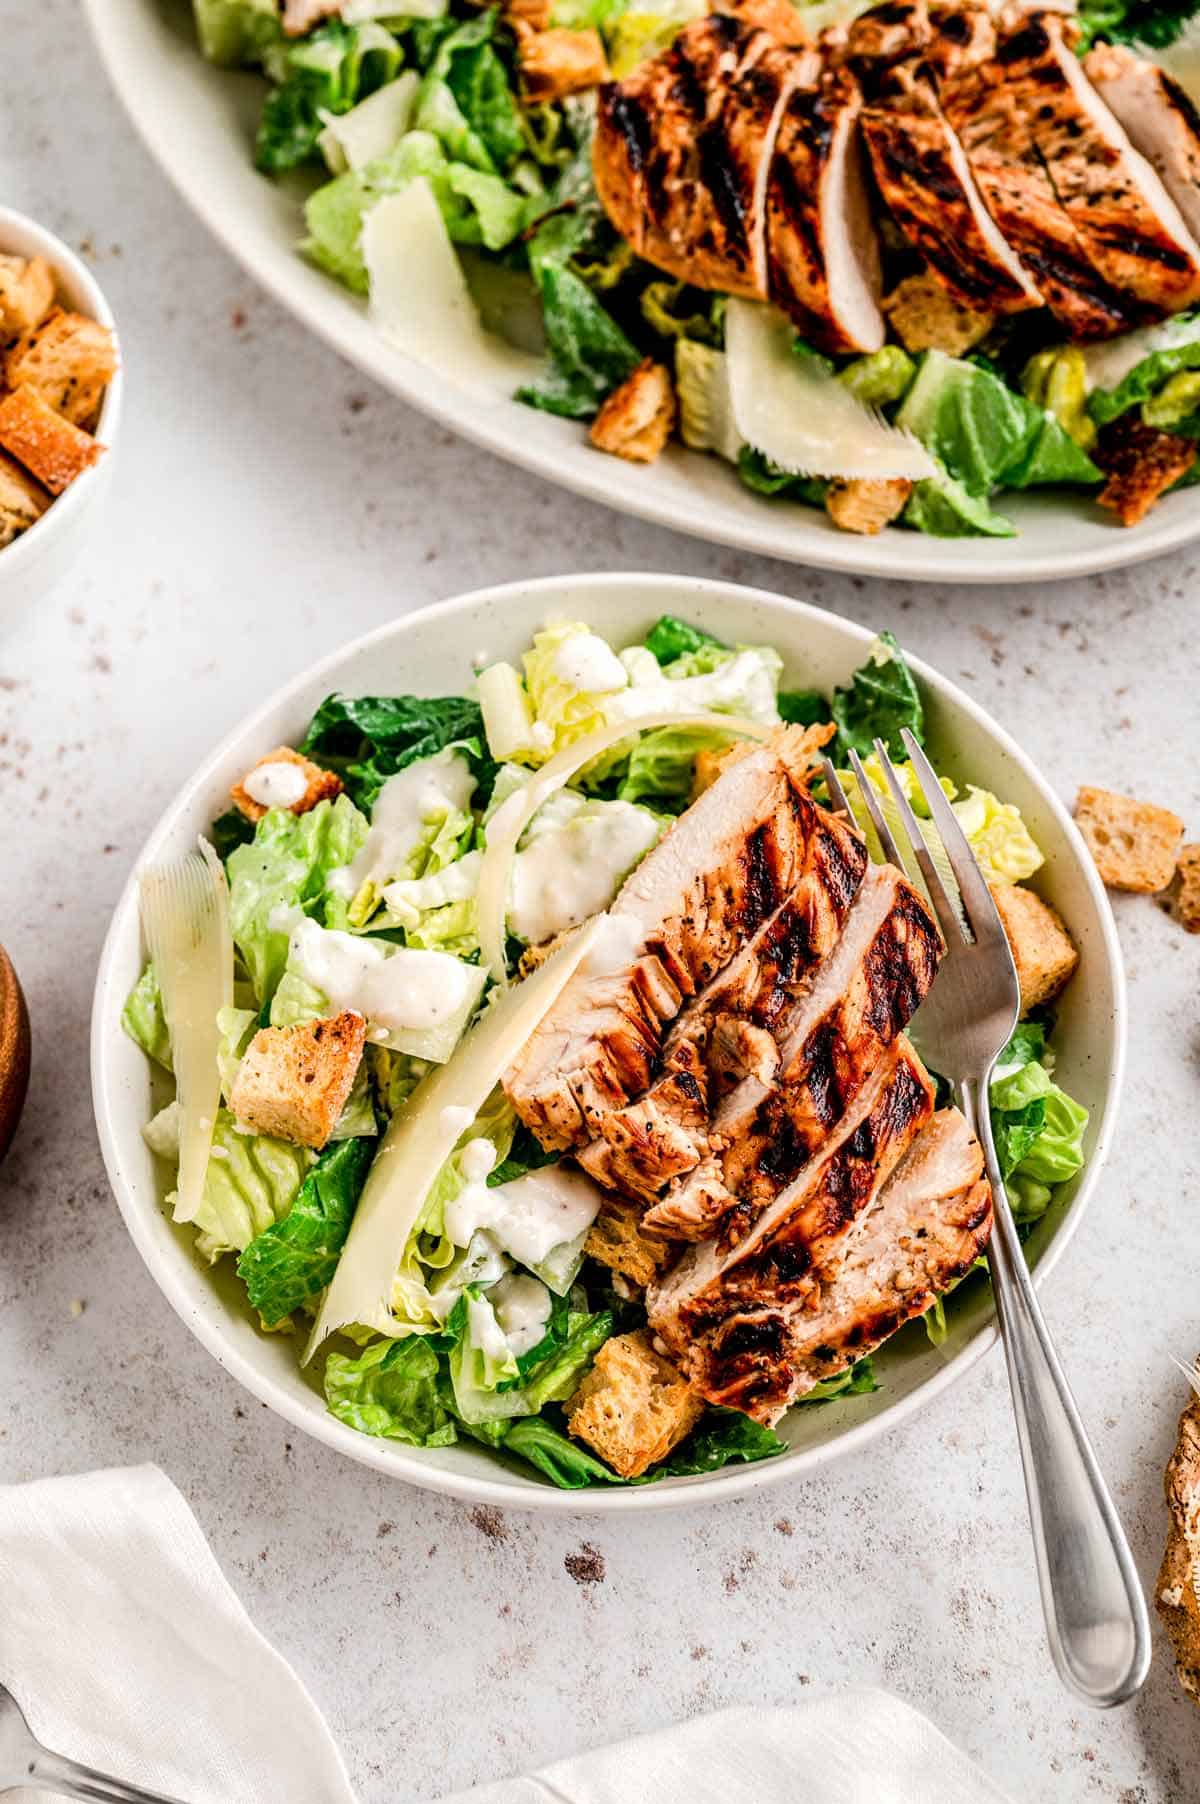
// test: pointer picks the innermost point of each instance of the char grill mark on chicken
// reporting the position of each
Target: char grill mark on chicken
(1158, 117)
(751, 841)
(928, 1224)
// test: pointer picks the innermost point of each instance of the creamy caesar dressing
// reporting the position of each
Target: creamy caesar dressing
(485, 1333)
(410, 897)
(454, 1118)
(276, 784)
(522, 1306)
(570, 870)
(744, 684)
(586, 661)
(406, 807)
(393, 987)
(529, 1217)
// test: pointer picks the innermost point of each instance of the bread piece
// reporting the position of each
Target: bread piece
(1175, 1594)
(1042, 949)
(1135, 844)
(1141, 464)
(925, 318)
(635, 421)
(69, 359)
(49, 446)
(1188, 900)
(557, 62)
(293, 1082)
(26, 294)
(633, 1406)
(319, 785)
(615, 1239)
(866, 504)
(22, 500)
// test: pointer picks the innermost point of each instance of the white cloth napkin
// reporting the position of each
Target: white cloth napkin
(128, 1650)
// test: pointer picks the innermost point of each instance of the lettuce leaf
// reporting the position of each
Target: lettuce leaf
(251, 1183)
(1038, 1128)
(1137, 22)
(144, 1021)
(662, 764)
(564, 1462)
(984, 433)
(391, 1389)
(858, 1380)
(237, 32)
(467, 88)
(328, 71)
(999, 838)
(368, 738)
(1145, 379)
(880, 698)
(757, 472)
(945, 509)
(294, 1259)
(721, 1436)
(284, 868)
(671, 638)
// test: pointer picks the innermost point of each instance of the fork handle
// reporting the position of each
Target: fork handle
(1096, 1618)
(68, 1779)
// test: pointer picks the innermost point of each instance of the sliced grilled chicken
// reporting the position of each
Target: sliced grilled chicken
(942, 40)
(1158, 117)
(822, 247)
(931, 1221)
(1129, 225)
(682, 148)
(925, 179)
(781, 1253)
(752, 840)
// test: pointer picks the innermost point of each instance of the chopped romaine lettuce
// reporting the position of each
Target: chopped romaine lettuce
(391, 1389)
(984, 434)
(945, 509)
(1037, 1127)
(368, 738)
(879, 700)
(325, 73)
(466, 99)
(880, 379)
(234, 32)
(1057, 380)
(721, 1435)
(706, 421)
(671, 639)
(858, 1380)
(999, 838)
(144, 1021)
(589, 353)
(1125, 371)
(292, 1261)
(251, 1182)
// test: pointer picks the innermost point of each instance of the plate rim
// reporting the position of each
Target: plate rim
(395, 1459)
(113, 25)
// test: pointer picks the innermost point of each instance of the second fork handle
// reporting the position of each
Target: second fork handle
(1096, 1617)
(68, 1779)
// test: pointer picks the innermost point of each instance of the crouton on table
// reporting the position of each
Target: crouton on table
(22, 500)
(1135, 844)
(26, 294)
(635, 421)
(293, 1082)
(1175, 1595)
(558, 62)
(284, 779)
(633, 1406)
(1042, 949)
(925, 318)
(615, 1239)
(1189, 887)
(70, 361)
(867, 504)
(1141, 464)
(51, 448)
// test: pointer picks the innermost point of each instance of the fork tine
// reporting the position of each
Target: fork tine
(981, 912)
(949, 918)
(837, 794)
(870, 800)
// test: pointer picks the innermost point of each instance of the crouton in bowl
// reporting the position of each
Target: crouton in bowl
(60, 401)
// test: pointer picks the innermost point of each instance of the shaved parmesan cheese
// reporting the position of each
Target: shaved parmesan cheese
(799, 415)
(420, 300)
(1109, 363)
(371, 128)
(513, 816)
(420, 1140)
(185, 918)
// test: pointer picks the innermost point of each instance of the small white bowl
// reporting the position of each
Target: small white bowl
(429, 652)
(33, 563)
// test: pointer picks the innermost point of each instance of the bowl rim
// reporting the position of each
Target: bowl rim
(406, 1463)
(70, 270)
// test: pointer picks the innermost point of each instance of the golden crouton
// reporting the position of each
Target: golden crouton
(633, 1406)
(866, 504)
(635, 421)
(556, 63)
(1042, 949)
(49, 446)
(615, 1239)
(1135, 844)
(925, 318)
(1188, 901)
(319, 785)
(22, 500)
(1141, 464)
(26, 294)
(293, 1081)
(69, 359)
(535, 14)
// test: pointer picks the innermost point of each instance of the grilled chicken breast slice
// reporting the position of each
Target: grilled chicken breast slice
(1157, 116)
(1129, 225)
(930, 1222)
(638, 1149)
(822, 249)
(682, 147)
(723, 869)
(779, 1255)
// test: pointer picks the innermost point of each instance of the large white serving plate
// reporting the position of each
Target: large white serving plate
(199, 122)
(430, 653)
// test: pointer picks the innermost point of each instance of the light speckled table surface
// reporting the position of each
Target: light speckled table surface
(268, 504)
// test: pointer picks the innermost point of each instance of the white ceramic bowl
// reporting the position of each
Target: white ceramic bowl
(33, 563)
(199, 123)
(430, 652)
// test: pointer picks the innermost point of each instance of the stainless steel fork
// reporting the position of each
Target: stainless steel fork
(24, 1762)
(1096, 1617)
